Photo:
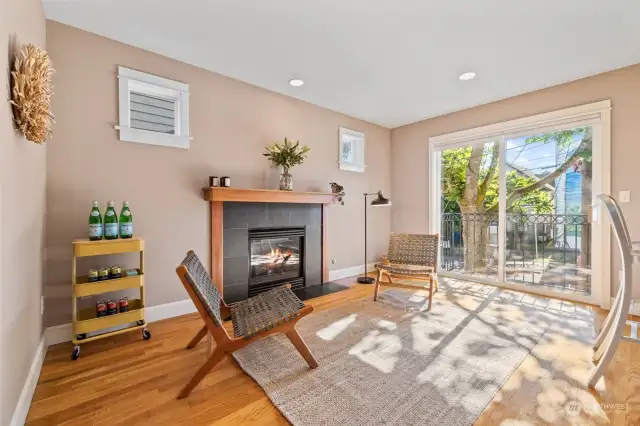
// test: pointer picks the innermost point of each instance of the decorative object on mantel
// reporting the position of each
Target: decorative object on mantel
(214, 181)
(286, 155)
(378, 202)
(225, 182)
(339, 190)
(31, 92)
(351, 145)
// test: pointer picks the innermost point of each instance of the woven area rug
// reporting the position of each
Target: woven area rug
(391, 362)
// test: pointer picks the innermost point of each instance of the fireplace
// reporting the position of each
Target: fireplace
(276, 257)
(250, 231)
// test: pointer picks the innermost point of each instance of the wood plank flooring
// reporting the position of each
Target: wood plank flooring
(126, 380)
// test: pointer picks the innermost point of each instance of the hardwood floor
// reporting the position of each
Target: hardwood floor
(126, 380)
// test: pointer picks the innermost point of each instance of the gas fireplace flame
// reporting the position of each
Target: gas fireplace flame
(277, 253)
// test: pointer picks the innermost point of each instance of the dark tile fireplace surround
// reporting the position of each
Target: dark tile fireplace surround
(265, 244)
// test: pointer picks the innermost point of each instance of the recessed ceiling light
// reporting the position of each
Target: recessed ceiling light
(296, 82)
(467, 76)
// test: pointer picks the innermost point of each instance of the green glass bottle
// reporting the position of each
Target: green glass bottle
(110, 223)
(126, 221)
(95, 223)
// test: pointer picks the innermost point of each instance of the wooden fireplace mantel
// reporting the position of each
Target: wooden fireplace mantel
(267, 196)
(217, 196)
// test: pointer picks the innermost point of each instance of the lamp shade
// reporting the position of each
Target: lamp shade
(381, 200)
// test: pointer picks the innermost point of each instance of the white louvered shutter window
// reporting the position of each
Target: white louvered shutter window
(152, 113)
(153, 109)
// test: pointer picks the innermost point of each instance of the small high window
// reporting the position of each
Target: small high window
(153, 109)
(351, 150)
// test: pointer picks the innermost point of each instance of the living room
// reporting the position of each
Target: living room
(491, 284)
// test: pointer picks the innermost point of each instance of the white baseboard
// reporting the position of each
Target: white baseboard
(63, 333)
(634, 309)
(338, 274)
(169, 310)
(58, 334)
(22, 408)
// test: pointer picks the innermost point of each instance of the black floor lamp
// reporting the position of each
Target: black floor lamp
(378, 202)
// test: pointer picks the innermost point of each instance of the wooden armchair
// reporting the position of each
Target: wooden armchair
(275, 311)
(411, 256)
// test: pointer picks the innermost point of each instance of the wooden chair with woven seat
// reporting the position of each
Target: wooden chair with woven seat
(413, 257)
(275, 311)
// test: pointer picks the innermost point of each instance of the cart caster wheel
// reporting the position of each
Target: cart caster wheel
(146, 334)
(81, 336)
(140, 322)
(76, 353)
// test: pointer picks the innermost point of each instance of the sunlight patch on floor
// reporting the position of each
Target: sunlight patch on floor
(423, 335)
(387, 325)
(419, 296)
(560, 400)
(378, 350)
(516, 422)
(333, 330)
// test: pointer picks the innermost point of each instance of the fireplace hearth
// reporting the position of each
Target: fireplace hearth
(276, 257)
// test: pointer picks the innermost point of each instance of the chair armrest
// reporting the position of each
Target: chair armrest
(384, 259)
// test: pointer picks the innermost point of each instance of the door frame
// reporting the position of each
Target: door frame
(597, 115)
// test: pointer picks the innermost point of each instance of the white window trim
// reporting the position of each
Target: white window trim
(358, 165)
(597, 114)
(131, 80)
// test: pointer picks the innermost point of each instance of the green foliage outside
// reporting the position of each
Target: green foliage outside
(454, 162)
(531, 197)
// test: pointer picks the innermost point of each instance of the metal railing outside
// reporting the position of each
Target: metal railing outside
(540, 249)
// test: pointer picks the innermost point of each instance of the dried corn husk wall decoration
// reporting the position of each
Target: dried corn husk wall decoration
(31, 93)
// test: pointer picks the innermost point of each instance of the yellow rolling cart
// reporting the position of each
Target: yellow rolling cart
(85, 321)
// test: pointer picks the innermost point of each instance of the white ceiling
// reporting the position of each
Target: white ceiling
(391, 62)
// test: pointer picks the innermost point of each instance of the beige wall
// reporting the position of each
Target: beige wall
(22, 210)
(410, 144)
(231, 122)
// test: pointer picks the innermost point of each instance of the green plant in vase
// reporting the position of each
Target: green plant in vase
(286, 155)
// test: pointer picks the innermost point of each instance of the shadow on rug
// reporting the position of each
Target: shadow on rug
(392, 362)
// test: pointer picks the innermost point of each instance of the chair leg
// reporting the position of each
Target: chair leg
(299, 344)
(608, 352)
(213, 360)
(375, 294)
(389, 276)
(435, 281)
(606, 326)
(199, 335)
(597, 354)
(430, 291)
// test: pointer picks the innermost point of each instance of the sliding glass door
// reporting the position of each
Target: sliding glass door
(548, 202)
(516, 208)
(468, 208)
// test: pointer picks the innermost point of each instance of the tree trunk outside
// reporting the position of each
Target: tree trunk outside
(474, 224)
(475, 237)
